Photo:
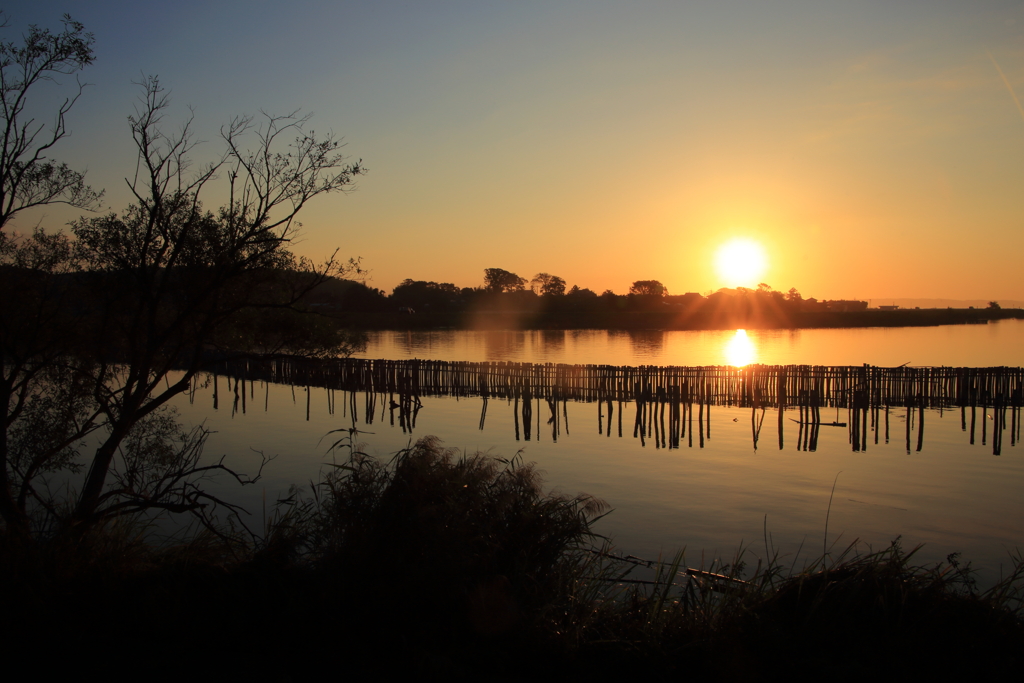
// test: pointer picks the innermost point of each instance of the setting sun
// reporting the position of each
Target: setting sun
(740, 263)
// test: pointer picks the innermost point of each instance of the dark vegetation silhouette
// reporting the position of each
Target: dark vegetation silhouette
(28, 176)
(498, 280)
(547, 285)
(458, 565)
(436, 561)
(648, 288)
(504, 301)
(101, 328)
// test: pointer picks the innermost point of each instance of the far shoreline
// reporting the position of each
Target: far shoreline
(672, 320)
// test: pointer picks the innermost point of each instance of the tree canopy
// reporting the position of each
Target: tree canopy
(648, 288)
(548, 285)
(418, 294)
(498, 280)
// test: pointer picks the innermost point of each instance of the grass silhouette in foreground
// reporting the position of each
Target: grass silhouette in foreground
(459, 565)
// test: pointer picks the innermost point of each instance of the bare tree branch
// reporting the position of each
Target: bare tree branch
(140, 297)
(28, 177)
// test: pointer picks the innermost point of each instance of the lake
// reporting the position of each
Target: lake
(951, 495)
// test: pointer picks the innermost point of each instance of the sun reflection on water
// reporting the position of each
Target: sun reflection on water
(740, 350)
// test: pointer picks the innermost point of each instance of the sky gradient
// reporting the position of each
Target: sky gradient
(873, 149)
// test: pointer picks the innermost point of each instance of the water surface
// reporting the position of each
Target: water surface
(952, 496)
(997, 344)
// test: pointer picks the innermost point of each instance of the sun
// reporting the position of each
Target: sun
(740, 263)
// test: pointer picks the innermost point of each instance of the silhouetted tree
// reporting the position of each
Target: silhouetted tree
(648, 288)
(418, 294)
(346, 295)
(994, 305)
(548, 285)
(132, 305)
(498, 280)
(576, 299)
(611, 300)
(583, 293)
(28, 176)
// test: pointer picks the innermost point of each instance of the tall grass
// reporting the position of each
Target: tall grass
(460, 564)
(473, 537)
(845, 616)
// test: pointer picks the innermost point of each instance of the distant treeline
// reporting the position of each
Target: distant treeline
(93, 313)
(509, 301)
(349, 305)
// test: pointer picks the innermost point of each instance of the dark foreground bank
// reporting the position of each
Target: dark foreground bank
(459, 566)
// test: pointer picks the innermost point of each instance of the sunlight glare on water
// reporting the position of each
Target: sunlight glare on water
(740, 350)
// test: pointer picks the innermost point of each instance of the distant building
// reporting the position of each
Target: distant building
(812, 305)
(688, 300)
(888, 308)
(837, 306)
(844, 306)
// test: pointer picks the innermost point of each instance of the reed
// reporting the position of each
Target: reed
(447, 522)
(459, 564)
(846, 616)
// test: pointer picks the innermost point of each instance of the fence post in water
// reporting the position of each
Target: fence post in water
(864, 418)
(620, 411)
(910, 413)
(553, 420)
(920, 424)
(661, 414)
(864, 390)
(515, 414)
(527, 413)
(998, 423)
(700, 424)
(780, 402)
(816, 420)
(638, 402)
(1013, 425)
(538, 418)
(984, 423)
(887, 424)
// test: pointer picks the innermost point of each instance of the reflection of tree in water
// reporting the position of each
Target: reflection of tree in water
(424, 343)
(552, 343)
(645, 343)
(503, 344)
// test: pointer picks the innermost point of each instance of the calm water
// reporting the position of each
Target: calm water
(951, 496)
(996, 344)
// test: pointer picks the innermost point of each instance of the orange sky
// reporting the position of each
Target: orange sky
(873, 149)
